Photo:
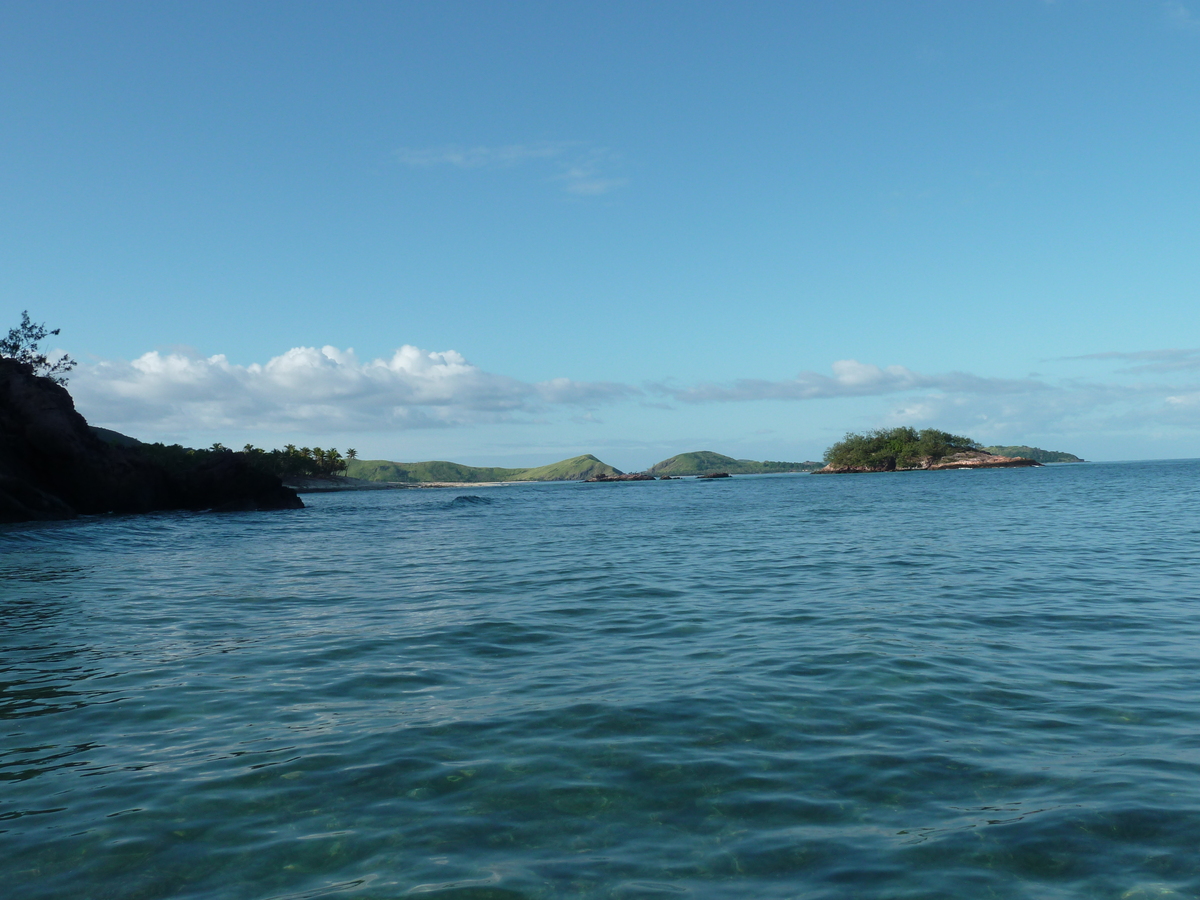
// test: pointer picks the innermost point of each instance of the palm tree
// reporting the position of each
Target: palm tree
(333, 461)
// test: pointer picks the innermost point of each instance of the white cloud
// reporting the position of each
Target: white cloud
(318, 390)
(582, 169)
(330, 390)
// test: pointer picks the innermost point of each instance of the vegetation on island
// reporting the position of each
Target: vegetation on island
(882, 449)
(705, 462)
(575, 469)
(293, 461)
(21, 344)
(895, 448)
(1035, 453)
(54, 466)
(290, 461)
(114, 437)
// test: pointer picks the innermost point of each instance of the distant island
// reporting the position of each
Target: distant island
(906, 449)
(705, 462)
(897, 449)
(577, 468)
(884, 450)
(1035, 453)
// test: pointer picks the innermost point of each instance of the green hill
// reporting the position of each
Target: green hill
(705, 462)
(1035, 453)
(574, 469)
(418, 472)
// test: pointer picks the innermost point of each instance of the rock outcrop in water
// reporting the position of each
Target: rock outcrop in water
(53, 467)
(965, 459)
(635, 476)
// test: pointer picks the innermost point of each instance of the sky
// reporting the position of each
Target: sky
(510, 233)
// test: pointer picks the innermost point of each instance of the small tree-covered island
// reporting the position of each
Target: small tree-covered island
(906, 449)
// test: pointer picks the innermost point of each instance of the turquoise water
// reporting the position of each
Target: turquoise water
(916, 685)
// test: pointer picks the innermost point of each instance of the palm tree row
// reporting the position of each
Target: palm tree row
(293, 460)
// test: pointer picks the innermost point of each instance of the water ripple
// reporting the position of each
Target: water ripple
(889, 686)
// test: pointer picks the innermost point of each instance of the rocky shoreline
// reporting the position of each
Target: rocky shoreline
(52, 466)
(966, 459)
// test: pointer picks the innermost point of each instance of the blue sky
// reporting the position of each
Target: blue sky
(628, 229)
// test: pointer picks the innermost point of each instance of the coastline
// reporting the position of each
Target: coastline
(327, 484)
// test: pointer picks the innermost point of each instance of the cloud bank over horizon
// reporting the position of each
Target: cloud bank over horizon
(321, 390)
(850, 379)
(330, 390)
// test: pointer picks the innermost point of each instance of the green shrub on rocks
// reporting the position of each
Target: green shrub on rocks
(895, 448)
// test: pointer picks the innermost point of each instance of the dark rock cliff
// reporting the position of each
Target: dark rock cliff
(53, 467)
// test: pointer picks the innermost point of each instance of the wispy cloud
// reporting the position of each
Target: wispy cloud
(480, 157)
(1179, 16)
(991, 408)
(580, 168)
(850, 379)
(318, 390)
(1169, 360)
(587, 174)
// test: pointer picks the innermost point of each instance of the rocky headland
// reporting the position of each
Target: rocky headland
(52, 466)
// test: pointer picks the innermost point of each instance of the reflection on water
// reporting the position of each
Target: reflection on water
(914, 685)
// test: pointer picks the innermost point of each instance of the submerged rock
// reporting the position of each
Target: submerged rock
(715, 475)
(52, 466)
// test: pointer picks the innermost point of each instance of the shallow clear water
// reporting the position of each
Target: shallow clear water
(945, 684)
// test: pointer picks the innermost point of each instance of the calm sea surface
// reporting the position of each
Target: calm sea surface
(916, 685)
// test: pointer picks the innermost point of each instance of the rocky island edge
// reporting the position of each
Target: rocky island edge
(52, 466)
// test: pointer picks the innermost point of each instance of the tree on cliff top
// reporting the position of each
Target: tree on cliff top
(22, 345)
(895, 448)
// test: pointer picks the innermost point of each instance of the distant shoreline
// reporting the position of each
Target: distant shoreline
(329, 484)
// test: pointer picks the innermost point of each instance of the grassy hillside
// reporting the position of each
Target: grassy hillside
(704, 462)
(1042, 456)
(575, 469)
(418, 472)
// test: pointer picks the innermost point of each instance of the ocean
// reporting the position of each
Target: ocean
(959, 684)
